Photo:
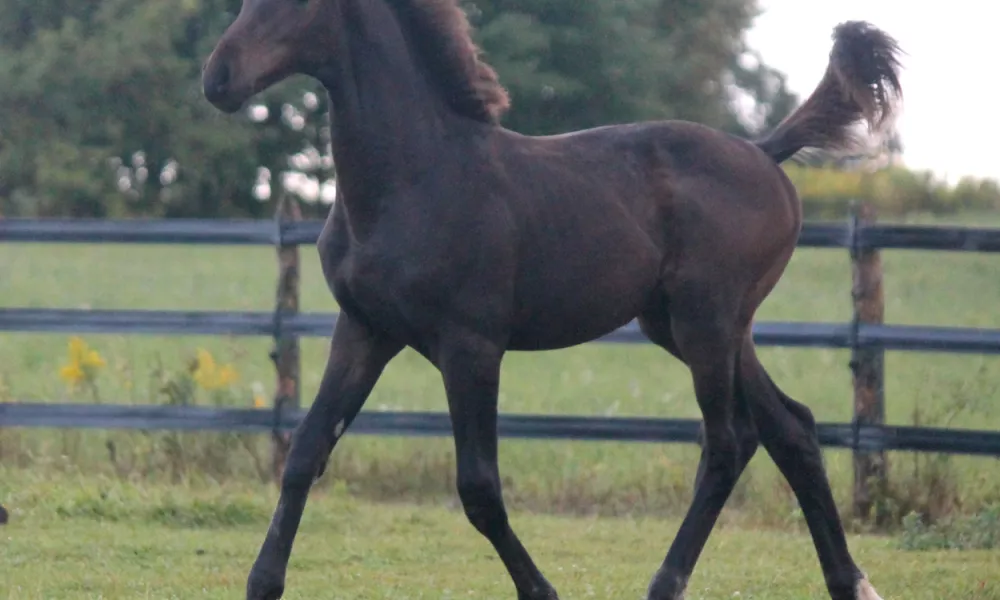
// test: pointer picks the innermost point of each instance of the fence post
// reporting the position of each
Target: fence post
(867, 364)
(286, 346)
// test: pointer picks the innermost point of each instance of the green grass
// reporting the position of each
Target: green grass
(596, 379)
(88, 537)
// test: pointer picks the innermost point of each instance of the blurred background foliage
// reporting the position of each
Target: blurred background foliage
(101, 113)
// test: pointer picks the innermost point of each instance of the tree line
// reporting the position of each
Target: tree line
(101, 113)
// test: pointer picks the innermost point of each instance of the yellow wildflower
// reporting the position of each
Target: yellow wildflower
(259, 400)
(71, 374)
(82, 355)
(209, 375)
(226, 376)
(204, 365)
(83, 363)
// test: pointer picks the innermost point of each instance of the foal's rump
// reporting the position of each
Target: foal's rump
(608, 217)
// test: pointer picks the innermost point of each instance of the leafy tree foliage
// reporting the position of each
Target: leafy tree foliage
(101, 112)
(571, 64)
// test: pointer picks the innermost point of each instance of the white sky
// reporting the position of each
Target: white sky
(949, 114)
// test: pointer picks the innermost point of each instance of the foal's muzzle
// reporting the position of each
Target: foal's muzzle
(216, 83)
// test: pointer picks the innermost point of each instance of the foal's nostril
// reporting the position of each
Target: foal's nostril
(222, 78)
(217, 81)
(222, 88)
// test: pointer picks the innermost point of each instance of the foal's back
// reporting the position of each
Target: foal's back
(658, 172)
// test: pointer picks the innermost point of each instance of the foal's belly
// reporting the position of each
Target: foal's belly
(553, 332)
(569, 298)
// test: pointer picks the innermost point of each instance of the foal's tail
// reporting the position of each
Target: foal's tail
(861, 82)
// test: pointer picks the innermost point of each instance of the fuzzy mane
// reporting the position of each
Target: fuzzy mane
(441, 36)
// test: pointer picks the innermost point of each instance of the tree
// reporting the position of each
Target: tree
(101, 113)
(571, 64)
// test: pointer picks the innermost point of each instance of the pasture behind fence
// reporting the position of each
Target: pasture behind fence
(866, 336)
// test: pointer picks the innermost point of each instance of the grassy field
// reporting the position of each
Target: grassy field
(101, 538)
(596, 379)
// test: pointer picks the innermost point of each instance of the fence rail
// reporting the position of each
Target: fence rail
(789, 334)
(537, 427)
(269, 233)
(865, 335)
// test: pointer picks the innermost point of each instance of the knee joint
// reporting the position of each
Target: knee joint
(482, 503)
(800, 449)
(723, 454)
(748, 439)
(802, 413)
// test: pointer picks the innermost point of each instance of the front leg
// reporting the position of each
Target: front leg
(357, 358)
(470, 366)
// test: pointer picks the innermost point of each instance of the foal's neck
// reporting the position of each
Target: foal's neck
(387, 120)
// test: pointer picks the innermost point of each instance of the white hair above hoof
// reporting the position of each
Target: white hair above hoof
(865, 591)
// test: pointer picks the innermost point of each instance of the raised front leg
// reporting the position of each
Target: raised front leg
(357, 358)
(470, 366)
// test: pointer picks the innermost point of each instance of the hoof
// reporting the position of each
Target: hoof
(667, 586)
(865, 591)
(262, 587)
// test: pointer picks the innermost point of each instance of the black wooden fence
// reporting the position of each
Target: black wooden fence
(863, 435)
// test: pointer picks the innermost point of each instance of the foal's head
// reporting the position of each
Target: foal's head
(269, 41)
(273, 39)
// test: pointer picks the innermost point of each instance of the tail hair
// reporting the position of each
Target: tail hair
(861, 83)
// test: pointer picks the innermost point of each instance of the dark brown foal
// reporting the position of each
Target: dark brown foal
(463, 240)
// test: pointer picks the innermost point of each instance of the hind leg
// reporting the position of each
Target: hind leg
(730, 439)
(788, 432)
(656, 326)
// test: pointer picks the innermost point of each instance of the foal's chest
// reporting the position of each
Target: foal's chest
(395, 288)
